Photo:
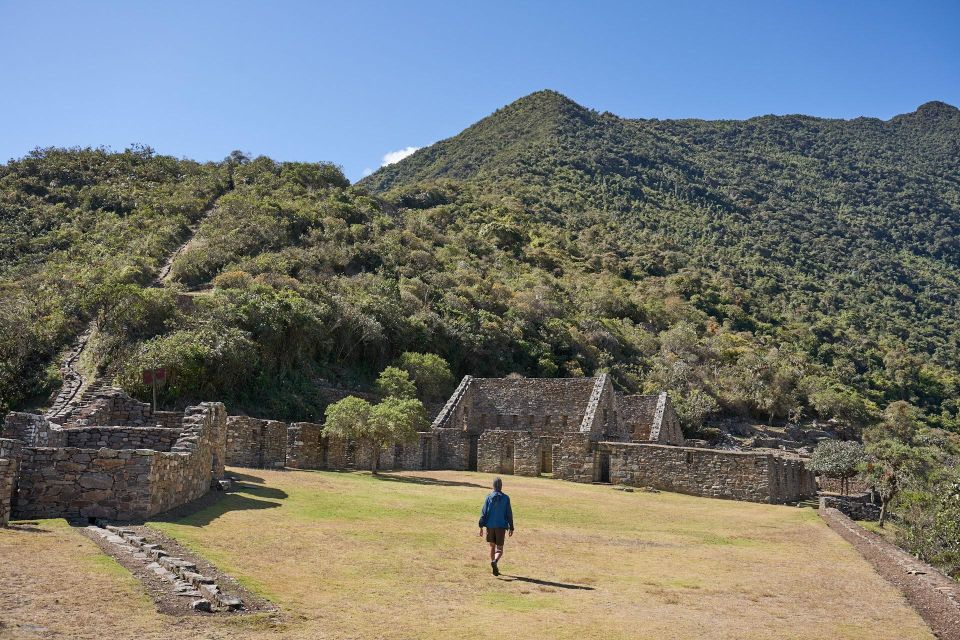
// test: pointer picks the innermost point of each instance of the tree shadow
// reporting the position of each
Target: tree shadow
(546, 583)
(426, 481)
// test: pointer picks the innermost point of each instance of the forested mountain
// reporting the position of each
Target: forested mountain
(776, 268)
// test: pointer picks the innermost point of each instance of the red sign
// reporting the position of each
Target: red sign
(151, 376)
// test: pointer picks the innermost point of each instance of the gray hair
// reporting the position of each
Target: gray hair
(497, 484)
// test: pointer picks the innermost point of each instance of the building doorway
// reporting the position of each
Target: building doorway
(603, 474)
(546, 459)
(472, 453)
(506, 463)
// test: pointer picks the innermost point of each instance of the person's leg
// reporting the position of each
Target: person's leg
(493, 551)
(495, 556)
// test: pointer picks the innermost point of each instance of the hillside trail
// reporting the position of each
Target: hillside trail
(77, 388)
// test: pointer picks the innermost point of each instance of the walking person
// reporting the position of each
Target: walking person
(497, 517)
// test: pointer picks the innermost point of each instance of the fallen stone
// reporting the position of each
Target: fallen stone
(201, 605)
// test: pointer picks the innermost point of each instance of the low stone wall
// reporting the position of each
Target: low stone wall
(122, 484)
(254, 443)
(856, 507)
(120, 438)
(74, 483)
(509, 452)
(708, 472)
(32, 429)
(9, 470)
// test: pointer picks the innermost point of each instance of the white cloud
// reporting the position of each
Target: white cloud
(367, 171)
(397, 156)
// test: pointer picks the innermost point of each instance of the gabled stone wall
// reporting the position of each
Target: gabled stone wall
(546, 406)
(637, 414)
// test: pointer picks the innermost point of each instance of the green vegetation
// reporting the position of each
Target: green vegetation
(840, 459)
(776, 269)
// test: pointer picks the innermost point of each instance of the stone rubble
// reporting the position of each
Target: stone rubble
(181, 575)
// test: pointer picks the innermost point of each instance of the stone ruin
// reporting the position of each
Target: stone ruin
(114, 459)
(577, 429)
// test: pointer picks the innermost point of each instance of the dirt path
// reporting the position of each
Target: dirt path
(935, 596)
(74, 382)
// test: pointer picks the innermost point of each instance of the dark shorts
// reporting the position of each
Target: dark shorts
(496, 536)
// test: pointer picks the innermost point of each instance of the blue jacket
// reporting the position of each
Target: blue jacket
(496, 513)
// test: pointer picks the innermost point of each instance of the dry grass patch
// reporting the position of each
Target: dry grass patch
(346, 555)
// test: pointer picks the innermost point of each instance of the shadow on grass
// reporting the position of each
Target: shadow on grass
(245, 477)
(427, 481)
(546, 583)
(27, 527)
(214, 504)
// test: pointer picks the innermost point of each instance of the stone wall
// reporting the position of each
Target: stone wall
(509, 452)
(197, 458)
(600, 416)
(9, 470)
(666, 424)
(573, 458)
(32, 429)
(421, 454)
(255, 443)
(547, 406)
(156, 438)
(122, 484)
(111, 407)
(737, 475)
(453, 449)
(363, 457)
(74, 483)
(636, 415)
(454, 412)
(306, 447)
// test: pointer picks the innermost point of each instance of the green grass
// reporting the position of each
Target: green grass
(351, 555)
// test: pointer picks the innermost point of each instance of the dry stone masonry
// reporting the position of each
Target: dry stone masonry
(118, 471)
(113, 457)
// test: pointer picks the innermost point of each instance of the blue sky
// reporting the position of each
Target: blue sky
(353, 81)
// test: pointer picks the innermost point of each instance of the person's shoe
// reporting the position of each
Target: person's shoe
(496, 571)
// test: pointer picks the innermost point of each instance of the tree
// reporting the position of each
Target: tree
(838, 459)
(430, 373)
(892, 460)
(395, 383)
(391, 421)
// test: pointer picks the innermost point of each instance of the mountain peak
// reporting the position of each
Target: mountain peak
(931, 112)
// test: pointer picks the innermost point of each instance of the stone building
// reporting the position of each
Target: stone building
(580, 429)
(117, 460)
